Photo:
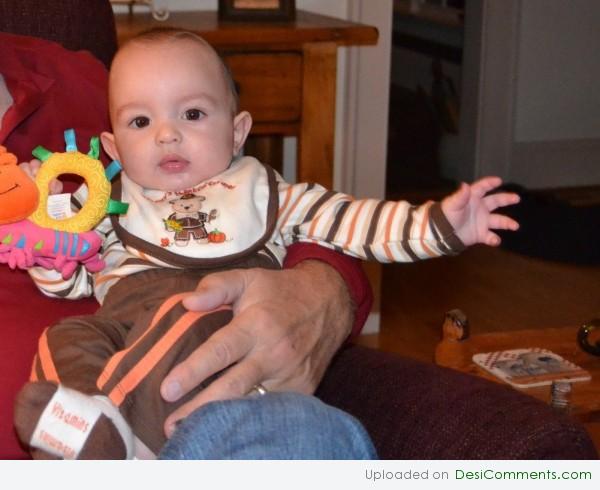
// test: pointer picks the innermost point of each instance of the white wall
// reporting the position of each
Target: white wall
(530, 110)
(362, 141)
(558, 87)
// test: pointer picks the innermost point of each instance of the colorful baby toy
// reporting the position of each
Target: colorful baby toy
(29, 236)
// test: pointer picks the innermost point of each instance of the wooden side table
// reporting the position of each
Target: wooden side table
(585, 395)
(286, 74)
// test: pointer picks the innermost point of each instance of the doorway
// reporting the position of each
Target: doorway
(427, 45)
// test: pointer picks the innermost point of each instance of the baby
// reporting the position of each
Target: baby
(195, 207)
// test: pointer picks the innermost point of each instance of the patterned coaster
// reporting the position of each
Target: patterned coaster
(525, 368)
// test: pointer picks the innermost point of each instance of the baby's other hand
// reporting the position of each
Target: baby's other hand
(32, 167)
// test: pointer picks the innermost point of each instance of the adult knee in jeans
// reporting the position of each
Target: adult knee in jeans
(272, 426)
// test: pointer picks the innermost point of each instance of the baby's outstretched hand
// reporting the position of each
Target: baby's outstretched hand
(470, 211)
(32, 167)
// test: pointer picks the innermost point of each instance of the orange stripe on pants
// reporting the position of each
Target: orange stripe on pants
(137, 374)
(45, 358)
(112, 364)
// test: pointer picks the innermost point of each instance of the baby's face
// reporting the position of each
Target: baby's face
(171, 113)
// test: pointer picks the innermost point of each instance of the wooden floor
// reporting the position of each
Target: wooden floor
(497, 289)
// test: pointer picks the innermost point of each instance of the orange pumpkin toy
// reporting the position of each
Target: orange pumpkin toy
(18, 193)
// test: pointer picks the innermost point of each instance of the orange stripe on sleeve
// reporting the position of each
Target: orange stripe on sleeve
(288, 195)
(313, 226)
(353, 224)
(388, 232)
(289, 213)
(107, 277)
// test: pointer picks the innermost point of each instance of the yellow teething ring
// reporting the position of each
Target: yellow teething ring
(92, 171)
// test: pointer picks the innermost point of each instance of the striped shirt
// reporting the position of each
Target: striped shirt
(370, 229)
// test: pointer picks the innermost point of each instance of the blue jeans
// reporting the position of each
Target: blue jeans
(272, 426)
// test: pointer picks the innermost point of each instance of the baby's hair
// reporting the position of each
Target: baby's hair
(167, 34)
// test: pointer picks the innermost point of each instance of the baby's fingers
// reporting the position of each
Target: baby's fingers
(491, 239)
(494, 201)
(56, 186)
(501, 222)
(484, 185)
(31, 168)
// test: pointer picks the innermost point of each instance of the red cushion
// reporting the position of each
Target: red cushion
(25, 312)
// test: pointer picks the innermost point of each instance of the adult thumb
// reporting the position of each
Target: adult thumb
(215, 290)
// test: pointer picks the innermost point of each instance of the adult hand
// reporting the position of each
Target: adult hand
(287, 326)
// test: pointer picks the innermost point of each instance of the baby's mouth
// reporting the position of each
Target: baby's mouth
(173, 163)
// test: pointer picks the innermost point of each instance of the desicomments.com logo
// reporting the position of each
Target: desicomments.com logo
(490, 474)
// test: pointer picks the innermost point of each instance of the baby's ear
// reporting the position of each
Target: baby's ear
(108, 143)
(242, 123)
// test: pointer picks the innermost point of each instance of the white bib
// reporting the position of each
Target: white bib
(227, 215)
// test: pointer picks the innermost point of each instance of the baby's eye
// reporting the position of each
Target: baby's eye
(140, 122)
(193, 114)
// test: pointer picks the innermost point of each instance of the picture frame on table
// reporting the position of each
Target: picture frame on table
(158, 9)
(257, 10)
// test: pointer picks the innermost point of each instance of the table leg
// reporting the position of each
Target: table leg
(316, 139)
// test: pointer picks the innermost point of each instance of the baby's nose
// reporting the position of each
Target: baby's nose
(168, 133)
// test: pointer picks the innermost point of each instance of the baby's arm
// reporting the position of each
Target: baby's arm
(389, 231)
(371, 229)
(51, 283)
(470, 211)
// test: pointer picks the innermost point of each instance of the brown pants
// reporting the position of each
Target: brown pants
(126, 349)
